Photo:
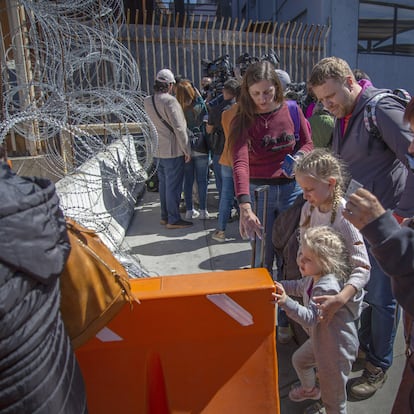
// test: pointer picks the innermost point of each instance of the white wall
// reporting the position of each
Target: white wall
(389, 71)
(102, 193)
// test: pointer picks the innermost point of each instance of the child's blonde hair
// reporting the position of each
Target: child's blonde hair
(329, 249)
(321, 165)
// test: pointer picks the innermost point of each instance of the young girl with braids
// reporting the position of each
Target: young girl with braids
(324, 264)
(321, 176)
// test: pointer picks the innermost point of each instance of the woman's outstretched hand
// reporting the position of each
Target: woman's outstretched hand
(249, 224)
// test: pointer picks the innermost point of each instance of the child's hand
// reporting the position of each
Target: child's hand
(280, 295)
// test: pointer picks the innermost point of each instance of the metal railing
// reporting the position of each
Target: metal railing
(159, 40)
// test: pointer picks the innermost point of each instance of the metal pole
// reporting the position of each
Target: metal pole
(265, 190)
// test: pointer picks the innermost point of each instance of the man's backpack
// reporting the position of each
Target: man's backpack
(294, 114)
(370, 118)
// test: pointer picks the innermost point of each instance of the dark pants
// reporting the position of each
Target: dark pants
(170, 176)
(378, 322)
(197, 169)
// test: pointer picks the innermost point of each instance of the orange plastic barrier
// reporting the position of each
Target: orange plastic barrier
(202, 343)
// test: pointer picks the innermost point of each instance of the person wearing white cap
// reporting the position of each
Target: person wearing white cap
(173, 149)
(284, 78)
(165, 76)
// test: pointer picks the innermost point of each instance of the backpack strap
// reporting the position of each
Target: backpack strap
(159, 116)
(370, 117)
(294, 114)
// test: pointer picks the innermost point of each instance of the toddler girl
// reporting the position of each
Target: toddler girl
(324, 264)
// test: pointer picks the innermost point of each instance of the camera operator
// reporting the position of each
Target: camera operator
(218, 70)
(205, 88)
(245, 60)
(298, 92)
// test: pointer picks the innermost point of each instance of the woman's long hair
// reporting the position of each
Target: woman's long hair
(246, 111)
(185, 93)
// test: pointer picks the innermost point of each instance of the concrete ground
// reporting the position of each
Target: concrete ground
(186, 251)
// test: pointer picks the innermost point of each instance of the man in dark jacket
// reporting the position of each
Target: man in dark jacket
(378, 162)
(393, 247)
(38, 370)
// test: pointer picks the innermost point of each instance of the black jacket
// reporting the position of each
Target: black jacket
(393, 247)
(38, 369)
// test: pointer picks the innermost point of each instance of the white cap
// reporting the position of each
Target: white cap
(166, 76)
(284, 78)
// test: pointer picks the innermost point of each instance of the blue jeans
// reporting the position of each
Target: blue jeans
(280, 198)
(217, 173)
(227, 196)
(170, 177)
(378, 322)
(197, 168)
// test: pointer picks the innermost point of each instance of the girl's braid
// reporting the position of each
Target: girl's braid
(337, 194)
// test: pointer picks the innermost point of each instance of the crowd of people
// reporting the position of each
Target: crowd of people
(264, 147)
(345, 247)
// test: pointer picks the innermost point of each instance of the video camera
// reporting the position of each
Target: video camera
(297, 92)
(219, 70)
(271, 57)
(245, 60)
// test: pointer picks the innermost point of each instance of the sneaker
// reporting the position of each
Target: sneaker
(191, 214)
(371, 380)
(219, 236)
(204, 215)
(298, 393)
(163, 222)
(284, 334)
(180, 224)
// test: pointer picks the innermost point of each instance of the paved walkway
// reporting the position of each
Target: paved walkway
(186, 251)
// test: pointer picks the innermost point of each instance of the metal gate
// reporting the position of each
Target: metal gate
(162, 42)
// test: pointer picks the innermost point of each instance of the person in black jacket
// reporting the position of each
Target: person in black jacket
(393, 247)
(38, 369)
